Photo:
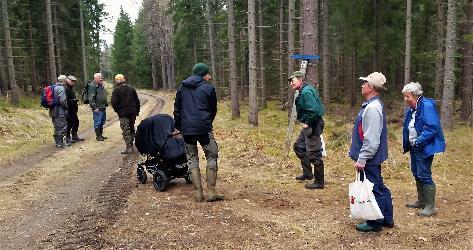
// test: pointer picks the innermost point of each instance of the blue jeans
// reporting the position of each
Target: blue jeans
(382, 195)
(99, 119)
(421, 167)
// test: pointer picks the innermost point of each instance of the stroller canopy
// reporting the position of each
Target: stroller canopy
(152, 134)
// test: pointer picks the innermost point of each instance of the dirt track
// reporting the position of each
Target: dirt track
(87, 196)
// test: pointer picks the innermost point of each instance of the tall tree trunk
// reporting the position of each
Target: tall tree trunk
(449, 78)
(290, 51)
(15, 97)
(82, 39)
(466, 104)
(3, 74)
(253, 91)
(194, 46)
(407, 59)
(163, 70)
(439, 67)
(154, 72)
(310, 35)
(210, 24)
(52, 58)
(232, 59)
(282, 81)
(58, 43)
(326, 52)
(261, 55)
(34, 75)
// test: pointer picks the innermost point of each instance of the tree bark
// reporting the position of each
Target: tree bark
(82, 39)
(34, 75)
(15, 97)
(52, 58)
(252, 89)
(326, 52)
(449, 78)
(58, 43)
(439, 66)
(232, 61)
(261, 55)
(310, 36)
(210, 25)
(3, 74)
(407, 58)
(466, 104)
(282, 81)
(290, 51)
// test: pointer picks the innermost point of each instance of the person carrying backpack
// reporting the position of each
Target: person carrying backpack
(58, 112)
(72, 108)
(98, 103)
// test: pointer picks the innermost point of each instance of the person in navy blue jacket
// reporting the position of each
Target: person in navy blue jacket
(195, 109)
(422, 135)
(369, 148)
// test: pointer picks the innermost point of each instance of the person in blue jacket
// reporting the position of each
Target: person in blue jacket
(195, 108)
(369, 148)
(422, 135)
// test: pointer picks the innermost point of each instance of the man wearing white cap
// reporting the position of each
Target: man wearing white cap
(369, 148)
(58, 112)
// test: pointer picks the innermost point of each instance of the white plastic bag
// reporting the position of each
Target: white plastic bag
(324, 152)
(363, 204)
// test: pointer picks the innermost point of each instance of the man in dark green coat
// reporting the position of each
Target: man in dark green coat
(308, 146)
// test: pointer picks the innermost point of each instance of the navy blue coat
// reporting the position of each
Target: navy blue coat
(195, 106)
(428, 128)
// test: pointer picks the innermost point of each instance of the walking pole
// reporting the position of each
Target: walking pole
(304, 63)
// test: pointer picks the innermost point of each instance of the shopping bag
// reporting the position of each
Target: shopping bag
(363, 204)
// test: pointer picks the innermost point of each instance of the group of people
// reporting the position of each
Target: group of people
(64, 117)
(195, 108)
(422, 137)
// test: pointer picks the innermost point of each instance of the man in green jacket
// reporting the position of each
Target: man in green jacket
(98, 103)
(308, 146)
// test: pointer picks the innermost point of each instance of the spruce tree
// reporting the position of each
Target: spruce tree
(121, 48)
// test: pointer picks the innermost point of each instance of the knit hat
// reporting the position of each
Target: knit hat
(119, 78)
(61, 78)
(200, 69)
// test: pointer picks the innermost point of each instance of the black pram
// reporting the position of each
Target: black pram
(164, 151)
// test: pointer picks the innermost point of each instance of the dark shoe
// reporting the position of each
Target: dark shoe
(367, 228)
(76, 139)
(101, 134)
(304, 177)
(388, 224)
(314, 185)
(98, 134)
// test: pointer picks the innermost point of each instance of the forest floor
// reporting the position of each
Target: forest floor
(87, 195)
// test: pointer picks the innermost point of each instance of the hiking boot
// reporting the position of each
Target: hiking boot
(364, 227)
(429, 198)
(304, 177)
(76, 138)
(419, 203)
(314, 185)
(388, 224)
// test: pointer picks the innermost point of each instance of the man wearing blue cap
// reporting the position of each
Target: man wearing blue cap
(195, 109)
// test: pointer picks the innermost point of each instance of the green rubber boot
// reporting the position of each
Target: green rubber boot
(419, 203)
(212, 195)
(429, 196)
(196, 180)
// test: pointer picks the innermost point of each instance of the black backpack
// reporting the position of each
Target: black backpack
(85, 94)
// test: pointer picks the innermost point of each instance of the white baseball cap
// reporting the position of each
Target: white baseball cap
(376, 79)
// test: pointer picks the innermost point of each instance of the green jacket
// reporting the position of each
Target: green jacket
(309, 107)
(97, 96)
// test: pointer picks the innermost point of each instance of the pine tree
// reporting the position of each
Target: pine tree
(121, 48)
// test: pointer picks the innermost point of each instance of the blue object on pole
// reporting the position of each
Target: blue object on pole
(305, 57)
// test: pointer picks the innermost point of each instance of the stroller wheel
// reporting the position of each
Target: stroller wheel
(141, 175)
(188, 178)
(160, 181)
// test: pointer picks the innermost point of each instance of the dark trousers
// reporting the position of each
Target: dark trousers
(382, 195)
(308, 148)
(422, 167)
(72, 124)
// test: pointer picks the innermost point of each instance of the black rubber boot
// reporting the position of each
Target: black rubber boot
(75, 137)
(98, 135)
(101, 134)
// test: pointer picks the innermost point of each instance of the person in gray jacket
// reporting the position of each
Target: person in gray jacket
(98, 104)
(58, 112)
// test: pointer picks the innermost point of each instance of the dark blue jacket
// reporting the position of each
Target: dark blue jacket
(369, 143)
(429, 130)
(195, 106)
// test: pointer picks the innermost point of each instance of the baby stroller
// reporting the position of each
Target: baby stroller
(164, 151)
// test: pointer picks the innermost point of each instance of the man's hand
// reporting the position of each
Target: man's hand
(96, 110)
(359, 166)
(305, 125)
